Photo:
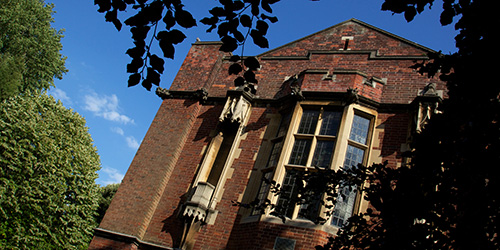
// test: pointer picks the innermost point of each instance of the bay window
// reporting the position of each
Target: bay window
(318, 136)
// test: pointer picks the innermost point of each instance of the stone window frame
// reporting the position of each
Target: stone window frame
(236, 128)
(342, 142)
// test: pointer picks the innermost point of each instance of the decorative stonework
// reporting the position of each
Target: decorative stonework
(352, 96)
(200, 94)
(428, 101)
(198, 205)
(235, 110)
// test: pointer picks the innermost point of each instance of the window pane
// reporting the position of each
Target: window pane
(285, 121)
(311, 210)
(289, 191)
(284, 244)
(263, 190)
(308, 122)
(323, 154)
(353, 156)
(300, 152)
(359, 130)
(275, 154)
(345, 200)
(343, 208)
(330, 124)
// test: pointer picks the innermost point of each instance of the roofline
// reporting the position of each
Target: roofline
(360, 23)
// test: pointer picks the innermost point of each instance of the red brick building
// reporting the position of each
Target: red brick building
(342, 96)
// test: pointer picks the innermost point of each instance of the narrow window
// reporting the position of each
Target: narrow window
(272, 161)
(355, 154)
(286, 205)
(222, 156)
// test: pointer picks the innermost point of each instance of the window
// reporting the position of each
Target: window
(284, 244)
(273, 160)
(317, 130)
(325, 137)
(356, 148)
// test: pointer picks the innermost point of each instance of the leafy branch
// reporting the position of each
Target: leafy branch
(232, 19)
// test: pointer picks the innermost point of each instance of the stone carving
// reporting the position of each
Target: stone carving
(163, 93)
(201, 94)
(424, 113)
(196, 212)
(352, 96)
(428, 101)
(429, 90)
(235, 110)
(199, 203)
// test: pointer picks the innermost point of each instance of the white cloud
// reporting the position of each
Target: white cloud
(118, 130)
(110, 175)
(59, 94)
(105, 106)
(132, 142)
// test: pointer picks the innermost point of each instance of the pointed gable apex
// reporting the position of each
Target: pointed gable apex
(350, 36)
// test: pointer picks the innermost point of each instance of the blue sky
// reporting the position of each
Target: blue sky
(118, 117)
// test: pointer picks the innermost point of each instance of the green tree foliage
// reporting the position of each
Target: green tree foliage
(48, 164)
(30, 48)
(106, 194)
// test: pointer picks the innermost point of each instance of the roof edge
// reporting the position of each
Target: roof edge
(360, 23)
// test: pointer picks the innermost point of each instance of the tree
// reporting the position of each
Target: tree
(106, 194)
(30, 48)
(447, 196)
(48, 196)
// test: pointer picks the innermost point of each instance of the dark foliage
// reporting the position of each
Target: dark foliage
(447, 196)
(234, 20)
(106, 194)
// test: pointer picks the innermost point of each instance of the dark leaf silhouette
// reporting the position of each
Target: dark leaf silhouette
(134, 66)
(229, 44)
(153, 76)
(262, 27)
(259, 39)
(147, 84)
(139, 33)
(136, 52)
(249, 76)
(134, 79)
(169, 19)
(104, 5)
(173, 36)
(234, 58)
(246, 21)
(239, 81)
(410, 13)
(184, 19)
(157, 63)
(252, 63)
(235, 69)
(167, 49)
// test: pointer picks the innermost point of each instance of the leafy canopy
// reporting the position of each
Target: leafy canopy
(48, 166)
(30, 48)
(106, 194)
